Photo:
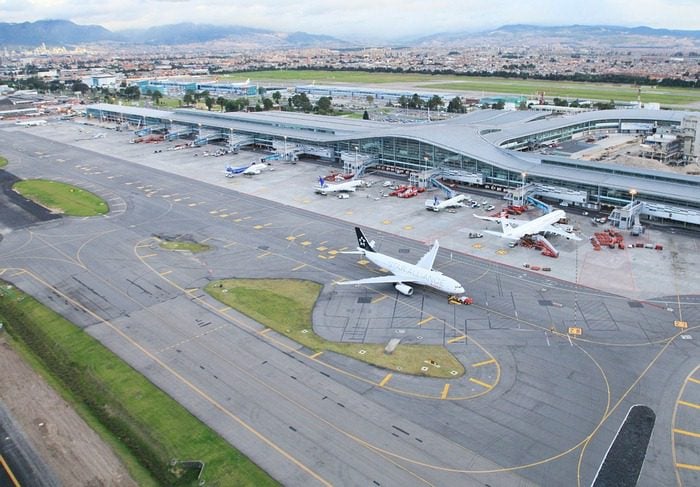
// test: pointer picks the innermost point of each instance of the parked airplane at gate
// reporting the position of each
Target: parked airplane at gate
(437, 205)
(517, 229)
(421, 273)
(254, 168)
(325, 188)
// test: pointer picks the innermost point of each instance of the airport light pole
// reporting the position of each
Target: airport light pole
(632, 193)
(522, 190)
(285, 147)
(356, 156)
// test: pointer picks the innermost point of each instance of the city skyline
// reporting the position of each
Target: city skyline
(380, 20)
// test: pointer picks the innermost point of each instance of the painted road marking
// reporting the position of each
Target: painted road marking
(224, 309)
(386, 379)
(316, 355)
(424, 321)
(456, 339)
(686, 433)
(165, 273)
(148, 255)
(482, 384)
(485, 362)
(229, 245)
(321, 248)
(687, 466)
(305, 243)
(692, 379)
(376, 300)
(299, 267)
(264, 254)
(262, 332)
(18, 273)
(689, 404)
(445, 390)
(11, 475)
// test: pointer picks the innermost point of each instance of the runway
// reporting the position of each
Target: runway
(537, 405)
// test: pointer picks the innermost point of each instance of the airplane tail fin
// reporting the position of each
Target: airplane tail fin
(362, 241)
(321, 181)
(506, 225)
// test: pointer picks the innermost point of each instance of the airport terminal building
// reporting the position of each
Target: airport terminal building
(484, 148)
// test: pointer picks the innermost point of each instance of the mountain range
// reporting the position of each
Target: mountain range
(63, 32)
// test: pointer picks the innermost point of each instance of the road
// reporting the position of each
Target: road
(536, 406)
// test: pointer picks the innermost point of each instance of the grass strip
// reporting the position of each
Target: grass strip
(3, 161)
(61, 197)
(193, 247)
(286, 305)
(144, 422)
(488, 85)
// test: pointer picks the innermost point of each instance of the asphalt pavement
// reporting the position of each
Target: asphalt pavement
(551, 367)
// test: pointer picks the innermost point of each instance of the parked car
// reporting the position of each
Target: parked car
(475, 235)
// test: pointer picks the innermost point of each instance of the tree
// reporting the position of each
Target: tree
(435, 102)
(403, 101)
(209, 102)
(416, 101)
(365, 116)
(277, 96)
(189, 98)
(301, 102)
(156, 96)
(455, 105)
(324, 105)
(221, 101)
(268, 104)
(370, 99)
(132, 92)
(80, 86)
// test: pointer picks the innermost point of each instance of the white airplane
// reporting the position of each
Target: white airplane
(517, 229)
(437, 205)
(30, 123)
(350, 185)
(421, 273)
(254, 168)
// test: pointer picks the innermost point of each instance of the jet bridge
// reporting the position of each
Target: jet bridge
(148, 130)
(186, 132)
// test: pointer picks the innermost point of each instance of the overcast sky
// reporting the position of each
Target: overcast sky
(379, 19)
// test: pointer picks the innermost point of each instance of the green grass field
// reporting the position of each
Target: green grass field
(3, 162)
(193, 247)
(144, 425)
(286, 305)
(60, 197)
(479, 85)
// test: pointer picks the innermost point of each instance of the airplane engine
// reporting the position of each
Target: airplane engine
(403, 289)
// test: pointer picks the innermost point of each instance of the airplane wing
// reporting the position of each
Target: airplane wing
(559, 231)
(513, 222)
(377, 280)
(426, 262)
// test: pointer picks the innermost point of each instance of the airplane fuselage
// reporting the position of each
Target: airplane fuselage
(535, 226)
(413, 273)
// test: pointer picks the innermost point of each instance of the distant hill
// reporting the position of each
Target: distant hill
(571, 35)
(63, 32)
(52, 32)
